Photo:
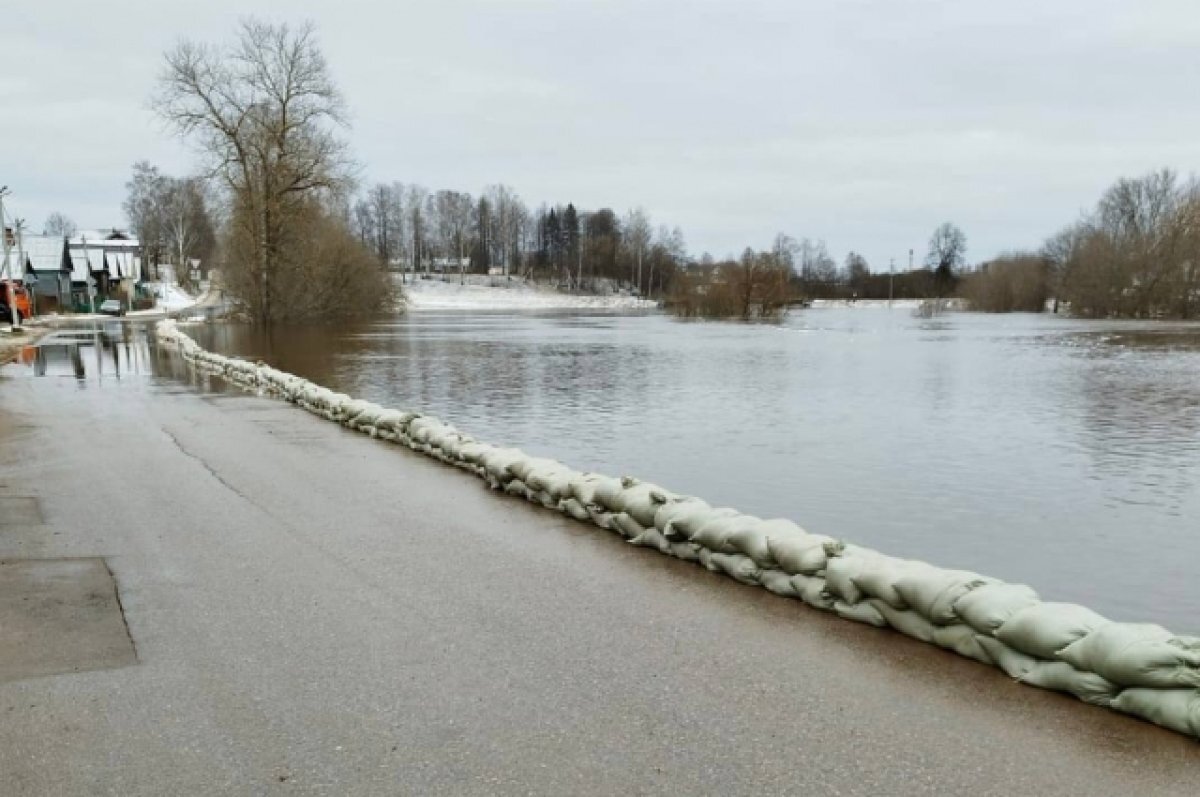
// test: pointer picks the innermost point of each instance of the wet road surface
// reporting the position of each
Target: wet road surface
(315, 612)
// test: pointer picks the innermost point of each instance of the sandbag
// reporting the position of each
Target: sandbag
(988, 607)
(624, 524)
(862, 612)
(1043, 629)
(1137, 655)
(814, 591)
(800, 553)
(686, 524)
(553, 477)
(572, 507)
(1176, 709)
(878, 575)
(687, 551)
(750, 538)
(963, 640)
(600, 517)
(668, 513)
(584, 486)
(737, 566)
(651, 538)
(778, 582)
(1057, 676)
(715, 534)
(905, 621)
(841, 570)
(607, 493)
(643, 501)
(933, 591)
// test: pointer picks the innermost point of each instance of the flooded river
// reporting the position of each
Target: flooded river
(1061, 453)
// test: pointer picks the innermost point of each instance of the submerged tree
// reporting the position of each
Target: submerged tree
(264, 111)
(947, 254)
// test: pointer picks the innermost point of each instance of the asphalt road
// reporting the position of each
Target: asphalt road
(315, 612)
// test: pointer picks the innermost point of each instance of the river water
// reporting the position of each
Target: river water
(1060, 453)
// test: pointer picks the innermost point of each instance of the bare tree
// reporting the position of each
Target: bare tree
(637, 239)
(263, 111)
(59, 224)
(947, 253)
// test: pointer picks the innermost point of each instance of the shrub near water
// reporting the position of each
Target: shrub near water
(1011, 283)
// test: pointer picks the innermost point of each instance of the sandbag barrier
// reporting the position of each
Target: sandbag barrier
(1136, 668)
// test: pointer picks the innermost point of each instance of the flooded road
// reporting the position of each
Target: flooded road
(310, 611)
(1060, 453)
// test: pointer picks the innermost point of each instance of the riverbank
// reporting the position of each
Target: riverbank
(504, 293)
(319, 611)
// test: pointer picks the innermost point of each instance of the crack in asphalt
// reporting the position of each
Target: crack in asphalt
(211, 470)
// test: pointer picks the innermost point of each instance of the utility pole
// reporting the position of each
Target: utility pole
(891, 280)
(8, 287)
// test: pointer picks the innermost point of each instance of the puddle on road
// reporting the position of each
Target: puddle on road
(95, 353)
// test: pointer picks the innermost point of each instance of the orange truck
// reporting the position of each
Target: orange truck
(13, 294)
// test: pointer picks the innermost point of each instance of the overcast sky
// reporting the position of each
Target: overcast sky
(862, 122)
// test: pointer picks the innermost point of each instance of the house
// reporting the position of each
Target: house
(46, 259)
(111, 258)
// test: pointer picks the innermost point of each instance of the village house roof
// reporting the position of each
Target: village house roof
(84, 260)
(124, 265)
(45, 253)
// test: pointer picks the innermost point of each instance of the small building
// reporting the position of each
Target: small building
(46, 260)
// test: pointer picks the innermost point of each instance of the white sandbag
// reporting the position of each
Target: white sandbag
(750, 538)
(519, 489)
(551, 476)
(624, 524)
(841, 570)
(608, 493)
(933, 591)
(687, 551)
(715, 534)
(861, 612)
(963, 640)
(666, 515)
(600, 517)
(1057, 676)
(651, 538)
(799, 553)
(814, 591)
(642, 501)
(686, 524)
(1043, 629)
(1176, 709)
(878, 575)
(988, 607)
(572, 507)
(778, 582)
(737, 566)
(905, 621)
(1137, 655)
(584, 486)
(497, 462)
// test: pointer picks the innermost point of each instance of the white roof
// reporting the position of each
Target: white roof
(106, 239)
(43, 253)
(85, 260)
(124, 265)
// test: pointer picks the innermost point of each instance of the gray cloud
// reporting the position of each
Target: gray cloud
(863, 122)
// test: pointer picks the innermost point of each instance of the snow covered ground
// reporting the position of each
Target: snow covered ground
(498, 293)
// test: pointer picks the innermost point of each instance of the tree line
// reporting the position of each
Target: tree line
(1136, 254)
(411, 228)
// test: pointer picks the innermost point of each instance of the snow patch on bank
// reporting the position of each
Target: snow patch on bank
(501, 293)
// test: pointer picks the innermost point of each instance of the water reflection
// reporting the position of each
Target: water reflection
(1061, 453)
